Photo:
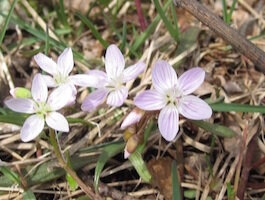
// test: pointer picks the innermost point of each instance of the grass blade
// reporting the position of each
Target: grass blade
(12, 176)
(3, 32)
(216, 129)
(93, 29)
(175, 182)
(229, 16)
(28, 195)
(224, 11)
(174, 33)
(229, 107)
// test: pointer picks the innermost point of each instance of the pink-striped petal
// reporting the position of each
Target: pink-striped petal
(150, 100)
(57, 121)
(61, 96)
(85, 80)
(133, 71)
(39, 90)
(32, 127)
(66, 62)
(21, 105)
(194, 108)
(132, 118)
(190, 80)
(46, 63)
(164, 77)
(114, 62)
(50, 82)
(117, 97)
(94, 99)
(168, 122)
(100, 76)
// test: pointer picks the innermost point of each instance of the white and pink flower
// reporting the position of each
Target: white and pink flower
(173, 96)
(111, 85)
(42, 108)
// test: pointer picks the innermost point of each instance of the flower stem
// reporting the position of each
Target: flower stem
(68, 169)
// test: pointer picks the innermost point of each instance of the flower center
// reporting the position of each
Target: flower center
(60, 79)
(115, 84)
(42, 108)
(173, 96)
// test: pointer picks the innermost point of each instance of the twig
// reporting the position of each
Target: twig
(140, 15)
(68, 169)
(241, 44)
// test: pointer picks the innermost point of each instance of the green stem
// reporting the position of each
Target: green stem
(68, 169)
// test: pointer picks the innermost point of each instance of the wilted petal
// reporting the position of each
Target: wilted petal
(66, 62)
(57, 121)
(193, 107)
(117, 97)
(46, 63)
(114, 62)
(85, 80)
(133, 71)
(61, 96)
(164, 76)
(100, 76)
(39, 90)
(21, 105)
(32, 127)
(150, 100)
(50, 82)
(133, 118)
(168, 122)
(190, 80)
(94, 99)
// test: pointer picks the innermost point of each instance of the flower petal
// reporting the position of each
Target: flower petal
(21, 105)
(39, 90)
(164, 76)
(94, 99)
(117, 97)
(114, 62)
(46, 63)
(133, 71)
(150, 100)
(32, 127)
(132, 118)
(168, 122)
(61, 96)
(195, 108)
(50, 82)
(100, 76)
(126, 154)
(57, 121)
(190, 80)
(66, 62)
(85, 80)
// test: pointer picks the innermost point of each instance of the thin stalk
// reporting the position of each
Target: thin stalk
(68, 169)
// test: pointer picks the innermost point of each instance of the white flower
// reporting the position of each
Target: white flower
(42, 107)
(110, 85)
(172, 96)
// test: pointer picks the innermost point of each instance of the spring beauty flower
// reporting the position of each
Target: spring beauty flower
(60, 72)
(132, 118)
(173, 96)
(42, 108)
(111, 84)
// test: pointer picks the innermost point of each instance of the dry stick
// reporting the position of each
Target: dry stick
(69, 170)
(203, 14)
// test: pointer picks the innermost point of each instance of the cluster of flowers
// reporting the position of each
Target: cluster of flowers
(169, 94)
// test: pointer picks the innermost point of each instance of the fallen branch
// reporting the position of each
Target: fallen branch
(230, 35)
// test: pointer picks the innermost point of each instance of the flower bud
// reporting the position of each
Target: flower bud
(20, 92)
(132, 118)
(131, 145)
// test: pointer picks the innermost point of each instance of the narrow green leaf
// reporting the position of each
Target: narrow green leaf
(28, 195)
(175, 182)
(230, 192)
(229, 16)
(140, 166)
(190, 194)
(14, 177)
(175, 20)
(174, 33)
(3, 31)
(108, 152)
(62, 13)
(71, 181)
(124, 34)
(229, 107)
(224, 11)
(216, 129)
(47, 40)
(93, 29)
